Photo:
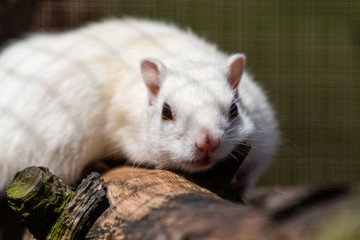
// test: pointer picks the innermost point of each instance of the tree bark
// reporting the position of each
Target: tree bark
(160, 204)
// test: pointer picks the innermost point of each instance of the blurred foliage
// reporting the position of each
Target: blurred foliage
(305, 53)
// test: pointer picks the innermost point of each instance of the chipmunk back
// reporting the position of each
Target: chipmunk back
(143, 90)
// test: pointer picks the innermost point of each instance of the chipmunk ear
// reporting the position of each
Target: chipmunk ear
(153, 71)
(234, 69)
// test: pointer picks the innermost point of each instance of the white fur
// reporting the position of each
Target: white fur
(67, 99)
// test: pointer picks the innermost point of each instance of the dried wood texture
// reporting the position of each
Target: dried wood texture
(51, 209)
(39, 196)
(159, 204)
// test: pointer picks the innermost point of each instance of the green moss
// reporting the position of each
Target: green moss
(39, 197)
(24, 182)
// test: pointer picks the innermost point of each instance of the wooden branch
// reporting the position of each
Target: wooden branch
(51, 209)
(156, 204)
(159, 204)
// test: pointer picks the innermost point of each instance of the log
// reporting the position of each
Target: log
(160, 204)
(52, 210)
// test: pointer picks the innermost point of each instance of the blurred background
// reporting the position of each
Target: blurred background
(305, 53)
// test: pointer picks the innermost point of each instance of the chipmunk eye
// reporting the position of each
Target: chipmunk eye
(166, 112)
(233, 113)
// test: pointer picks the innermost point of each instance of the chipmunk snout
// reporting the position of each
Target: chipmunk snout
(207, 142)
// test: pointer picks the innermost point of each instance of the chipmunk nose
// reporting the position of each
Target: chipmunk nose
(207, 142)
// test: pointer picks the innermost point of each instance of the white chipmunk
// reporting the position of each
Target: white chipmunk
(139, 89)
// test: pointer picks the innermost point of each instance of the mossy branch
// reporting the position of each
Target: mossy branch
(48, 205)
